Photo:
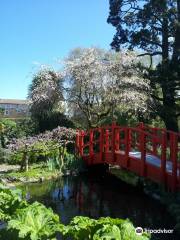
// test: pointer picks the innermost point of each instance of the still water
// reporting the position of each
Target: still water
(98, 196)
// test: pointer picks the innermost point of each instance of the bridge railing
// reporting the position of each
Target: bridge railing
(161, 144)
(114, 139)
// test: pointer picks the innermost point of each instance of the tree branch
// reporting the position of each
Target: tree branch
(156, 97)
(150, 54)
(152, 42)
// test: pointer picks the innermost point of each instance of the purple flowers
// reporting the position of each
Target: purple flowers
(57, 137)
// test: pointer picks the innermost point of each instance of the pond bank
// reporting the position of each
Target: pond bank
(153, 190)
(11, 175)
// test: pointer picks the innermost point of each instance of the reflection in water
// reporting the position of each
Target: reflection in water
(98, 196)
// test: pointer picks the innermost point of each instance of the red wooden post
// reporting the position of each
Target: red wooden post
(113, 141)
(143, 153)
(154, 143)
(171, 145)
(77, 143)
(141, 125)
(129, 138)
(126, 132)
(101, 144)
(81, 142)
(91, 151)
(141, 128)
(107, 141)
(117, 139)
(174, 160)
(163, 156)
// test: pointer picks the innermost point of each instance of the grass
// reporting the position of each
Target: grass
(36, 171)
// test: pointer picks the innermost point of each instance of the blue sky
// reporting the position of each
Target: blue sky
(42, 31)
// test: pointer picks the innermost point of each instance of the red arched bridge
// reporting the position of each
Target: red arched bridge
(153, 153)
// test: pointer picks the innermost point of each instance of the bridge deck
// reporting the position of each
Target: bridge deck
(153, 160)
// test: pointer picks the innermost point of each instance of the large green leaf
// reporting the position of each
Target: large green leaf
(108, 232)
(35, 221)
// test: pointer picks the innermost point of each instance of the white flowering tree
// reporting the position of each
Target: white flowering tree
(100, 81)
(45, 94)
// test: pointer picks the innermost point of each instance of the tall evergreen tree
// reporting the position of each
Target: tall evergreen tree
(153, 26)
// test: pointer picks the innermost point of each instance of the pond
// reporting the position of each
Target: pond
(98, 196)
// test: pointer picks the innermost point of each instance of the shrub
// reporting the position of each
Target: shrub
(4, 155)
(10, 201)
(84, 228)
(35, 222)
(51, 144)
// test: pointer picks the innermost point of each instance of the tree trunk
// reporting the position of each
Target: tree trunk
(24, 162)
(172, 123)
(170, 100)
(61, 157)
(168, 113)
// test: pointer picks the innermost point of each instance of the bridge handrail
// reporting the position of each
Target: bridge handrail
(147, 139)
(141, 129)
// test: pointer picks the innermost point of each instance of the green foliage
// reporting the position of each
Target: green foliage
(8, 123)
(1, 111)
(3, 155)
(10, 201)
(69, 162)
(123, 119)
(43, 151)
(128, 232)
(149, 26)
(25, 127)
(126, 176)
(7, 131)
(15, 157)
(80, 228)
(52, 120)
(84, 228)
(107, 232)
(72, 162)
(35, 222)
(10, 129)
(53, 163)
(37, 152)
(36, 171)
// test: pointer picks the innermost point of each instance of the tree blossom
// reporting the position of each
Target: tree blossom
(100, 81)
(45, 92)
(43, 143)
(57, 137)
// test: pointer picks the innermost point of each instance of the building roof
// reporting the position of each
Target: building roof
(13, 101)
